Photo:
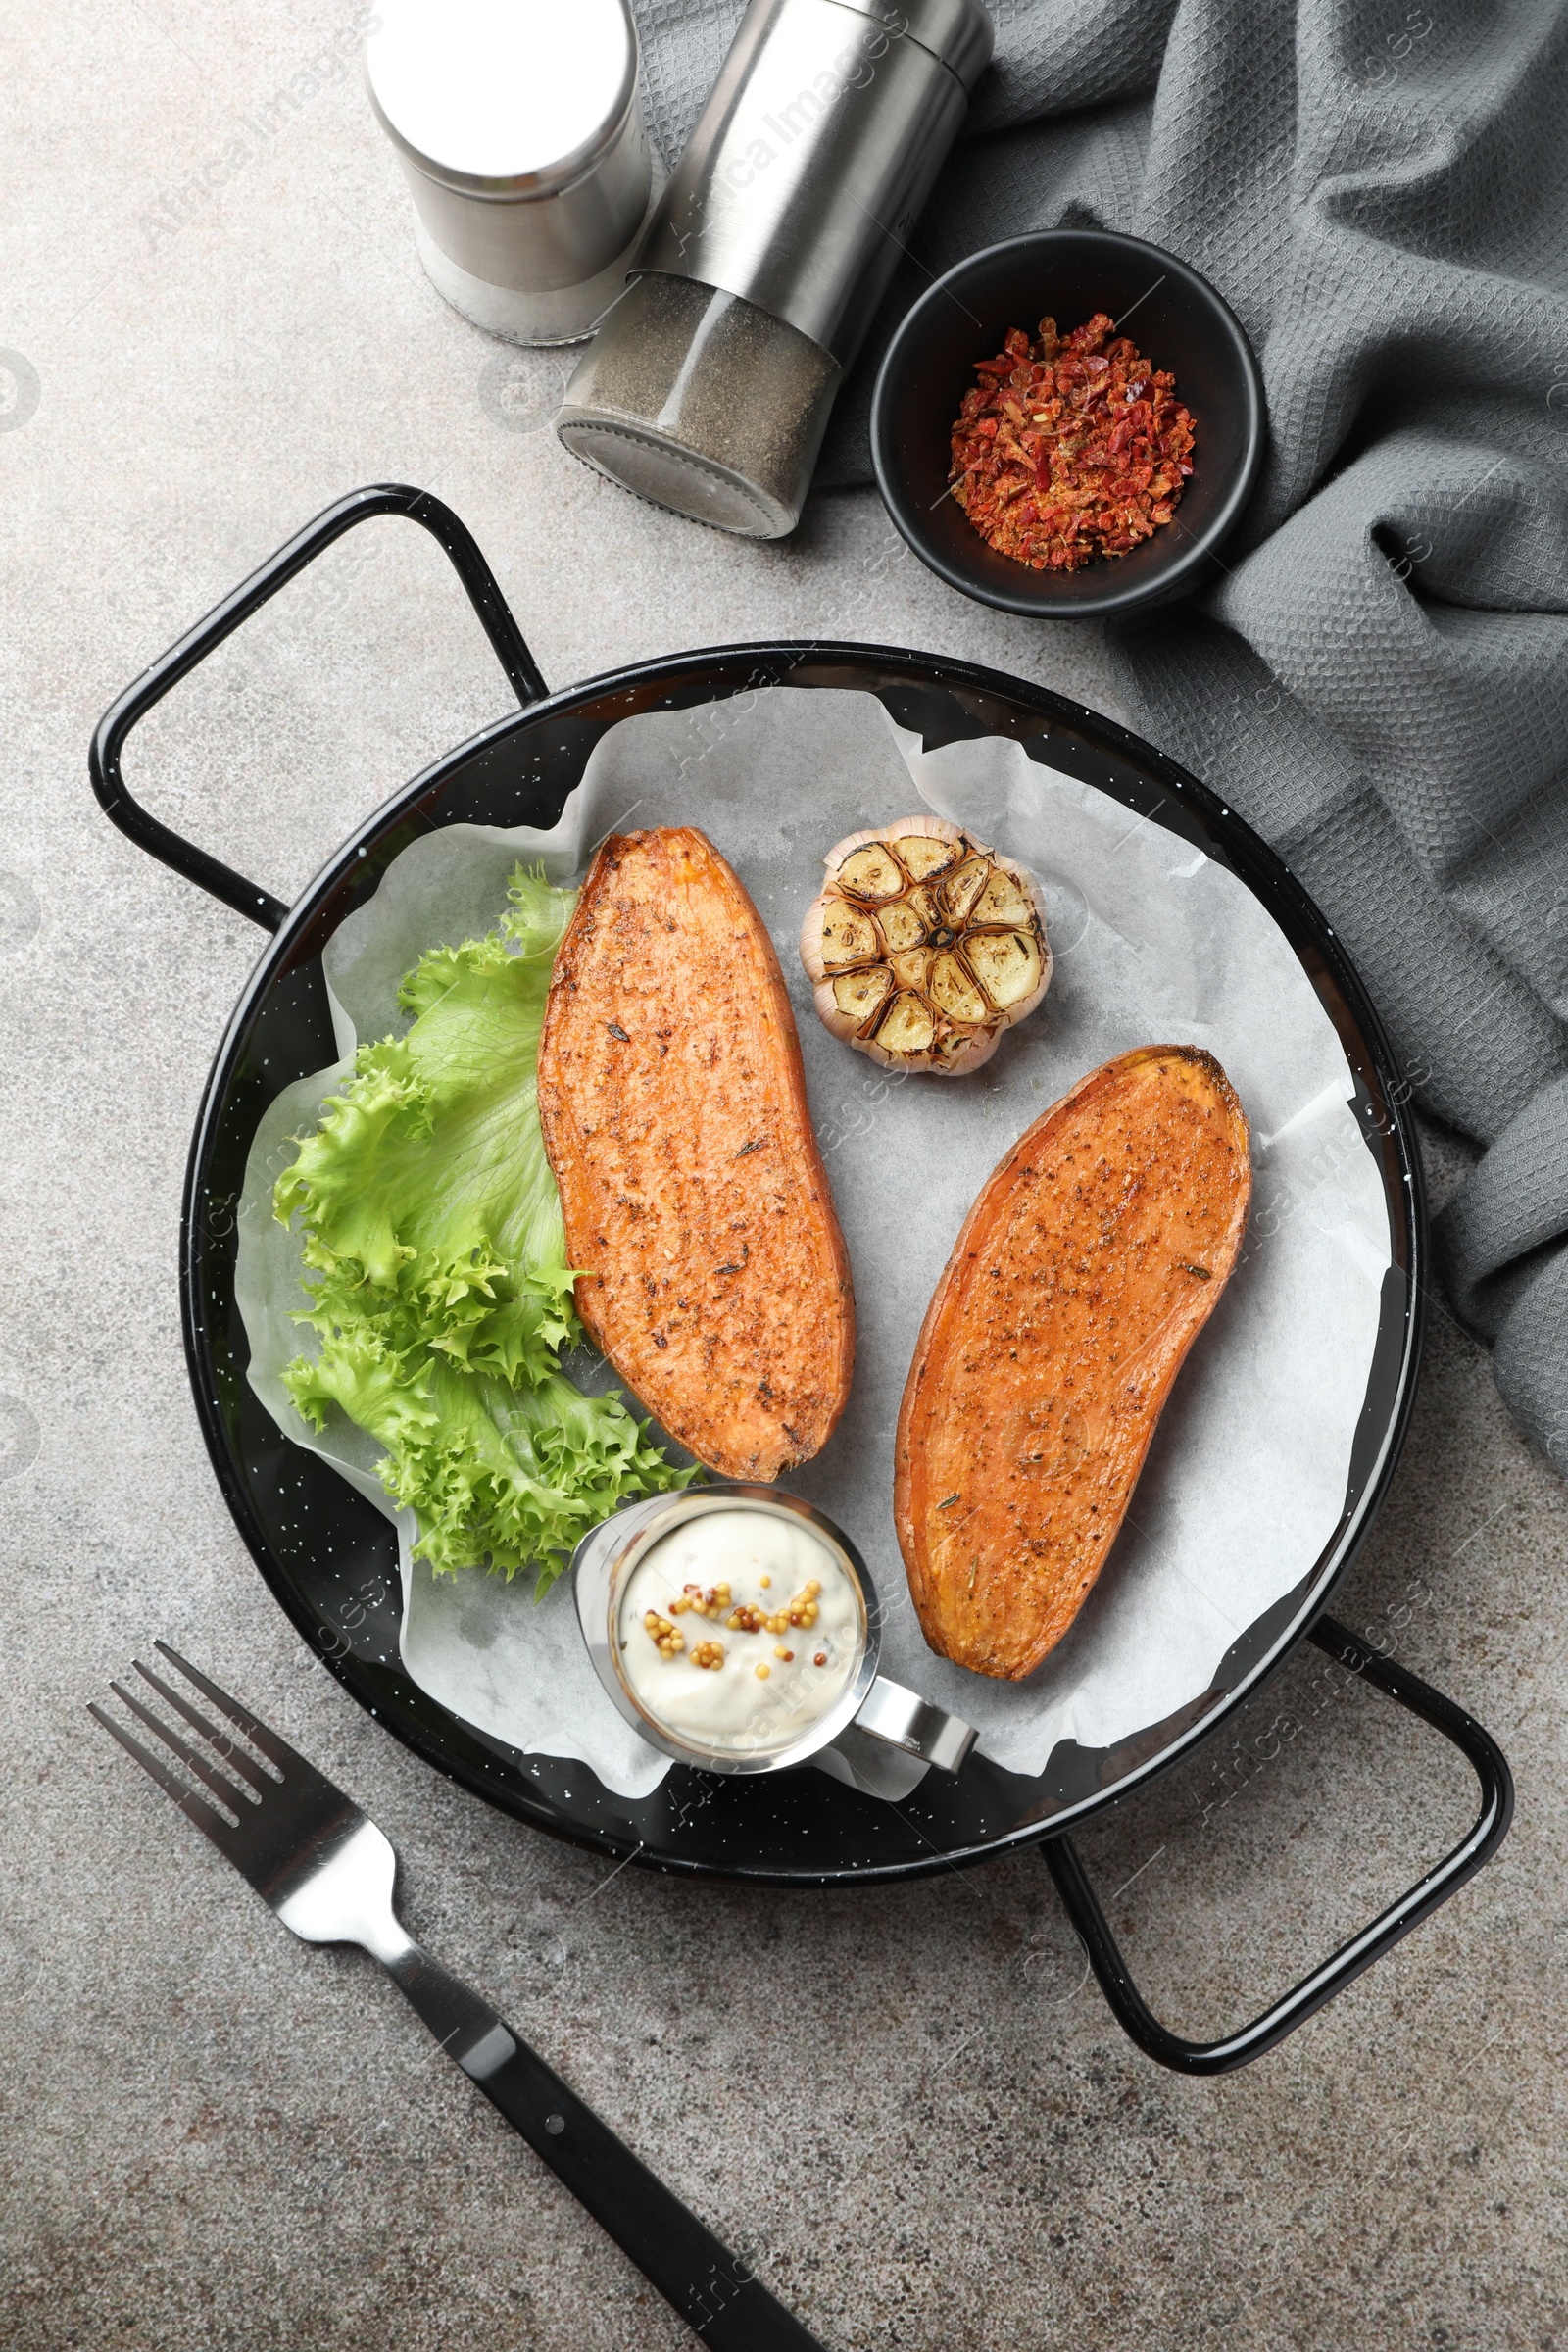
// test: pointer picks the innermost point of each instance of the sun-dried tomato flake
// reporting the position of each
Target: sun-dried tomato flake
(1085, 424)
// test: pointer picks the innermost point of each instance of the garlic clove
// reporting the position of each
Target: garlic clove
(924, 857)
(901, 926)
(861, 995)
(909, 1026)
(1007, 965)
(872, 874)
(1002, 901)
(952, 992)
(959, 893)
(848, 937)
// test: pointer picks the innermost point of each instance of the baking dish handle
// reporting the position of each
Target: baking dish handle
(1314, 1991)
(380, 498)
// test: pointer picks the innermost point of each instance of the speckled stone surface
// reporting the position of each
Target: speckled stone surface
(906, 2106)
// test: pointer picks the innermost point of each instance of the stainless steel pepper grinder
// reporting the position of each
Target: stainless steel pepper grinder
(707, 387)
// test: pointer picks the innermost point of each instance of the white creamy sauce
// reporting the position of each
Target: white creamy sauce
(703, 1585)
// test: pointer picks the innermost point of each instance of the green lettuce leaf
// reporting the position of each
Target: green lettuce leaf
(436, 1263)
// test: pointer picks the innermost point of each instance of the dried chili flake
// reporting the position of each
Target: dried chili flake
(1071, 448)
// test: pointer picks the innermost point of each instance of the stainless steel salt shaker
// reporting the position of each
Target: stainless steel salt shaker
(519, 125)
(709, 386)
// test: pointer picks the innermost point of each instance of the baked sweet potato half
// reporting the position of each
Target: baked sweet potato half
(674, 1113)
(1091, 1262)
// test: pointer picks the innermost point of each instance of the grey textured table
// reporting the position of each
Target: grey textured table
(216, 2138)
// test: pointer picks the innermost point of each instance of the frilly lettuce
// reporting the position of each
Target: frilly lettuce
(435, 1262)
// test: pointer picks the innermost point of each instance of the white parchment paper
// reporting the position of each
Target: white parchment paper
(1154, 942)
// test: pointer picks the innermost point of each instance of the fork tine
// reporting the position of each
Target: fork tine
(215, 1781)
(194, 1807)
(234, 1757)
(277, 1750)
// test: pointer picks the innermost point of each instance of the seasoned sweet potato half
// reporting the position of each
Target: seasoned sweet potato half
(1083, 1272)
(675, 1114)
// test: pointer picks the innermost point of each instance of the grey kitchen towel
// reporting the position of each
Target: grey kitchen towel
(1380, 681)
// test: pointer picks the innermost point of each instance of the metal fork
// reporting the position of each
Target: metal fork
(327, 1871)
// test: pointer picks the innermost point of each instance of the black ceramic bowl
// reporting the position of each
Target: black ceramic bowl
(1179, 322)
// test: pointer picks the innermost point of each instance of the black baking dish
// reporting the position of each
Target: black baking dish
(331, 1558)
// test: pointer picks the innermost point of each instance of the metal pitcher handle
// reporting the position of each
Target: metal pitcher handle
(904, 1719)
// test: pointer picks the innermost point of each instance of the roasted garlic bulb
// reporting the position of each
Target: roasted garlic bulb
(924, 945)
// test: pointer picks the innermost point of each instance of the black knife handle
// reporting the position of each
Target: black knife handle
(720, 2296)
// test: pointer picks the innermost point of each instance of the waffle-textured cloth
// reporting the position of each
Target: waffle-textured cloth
(1380, 684)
